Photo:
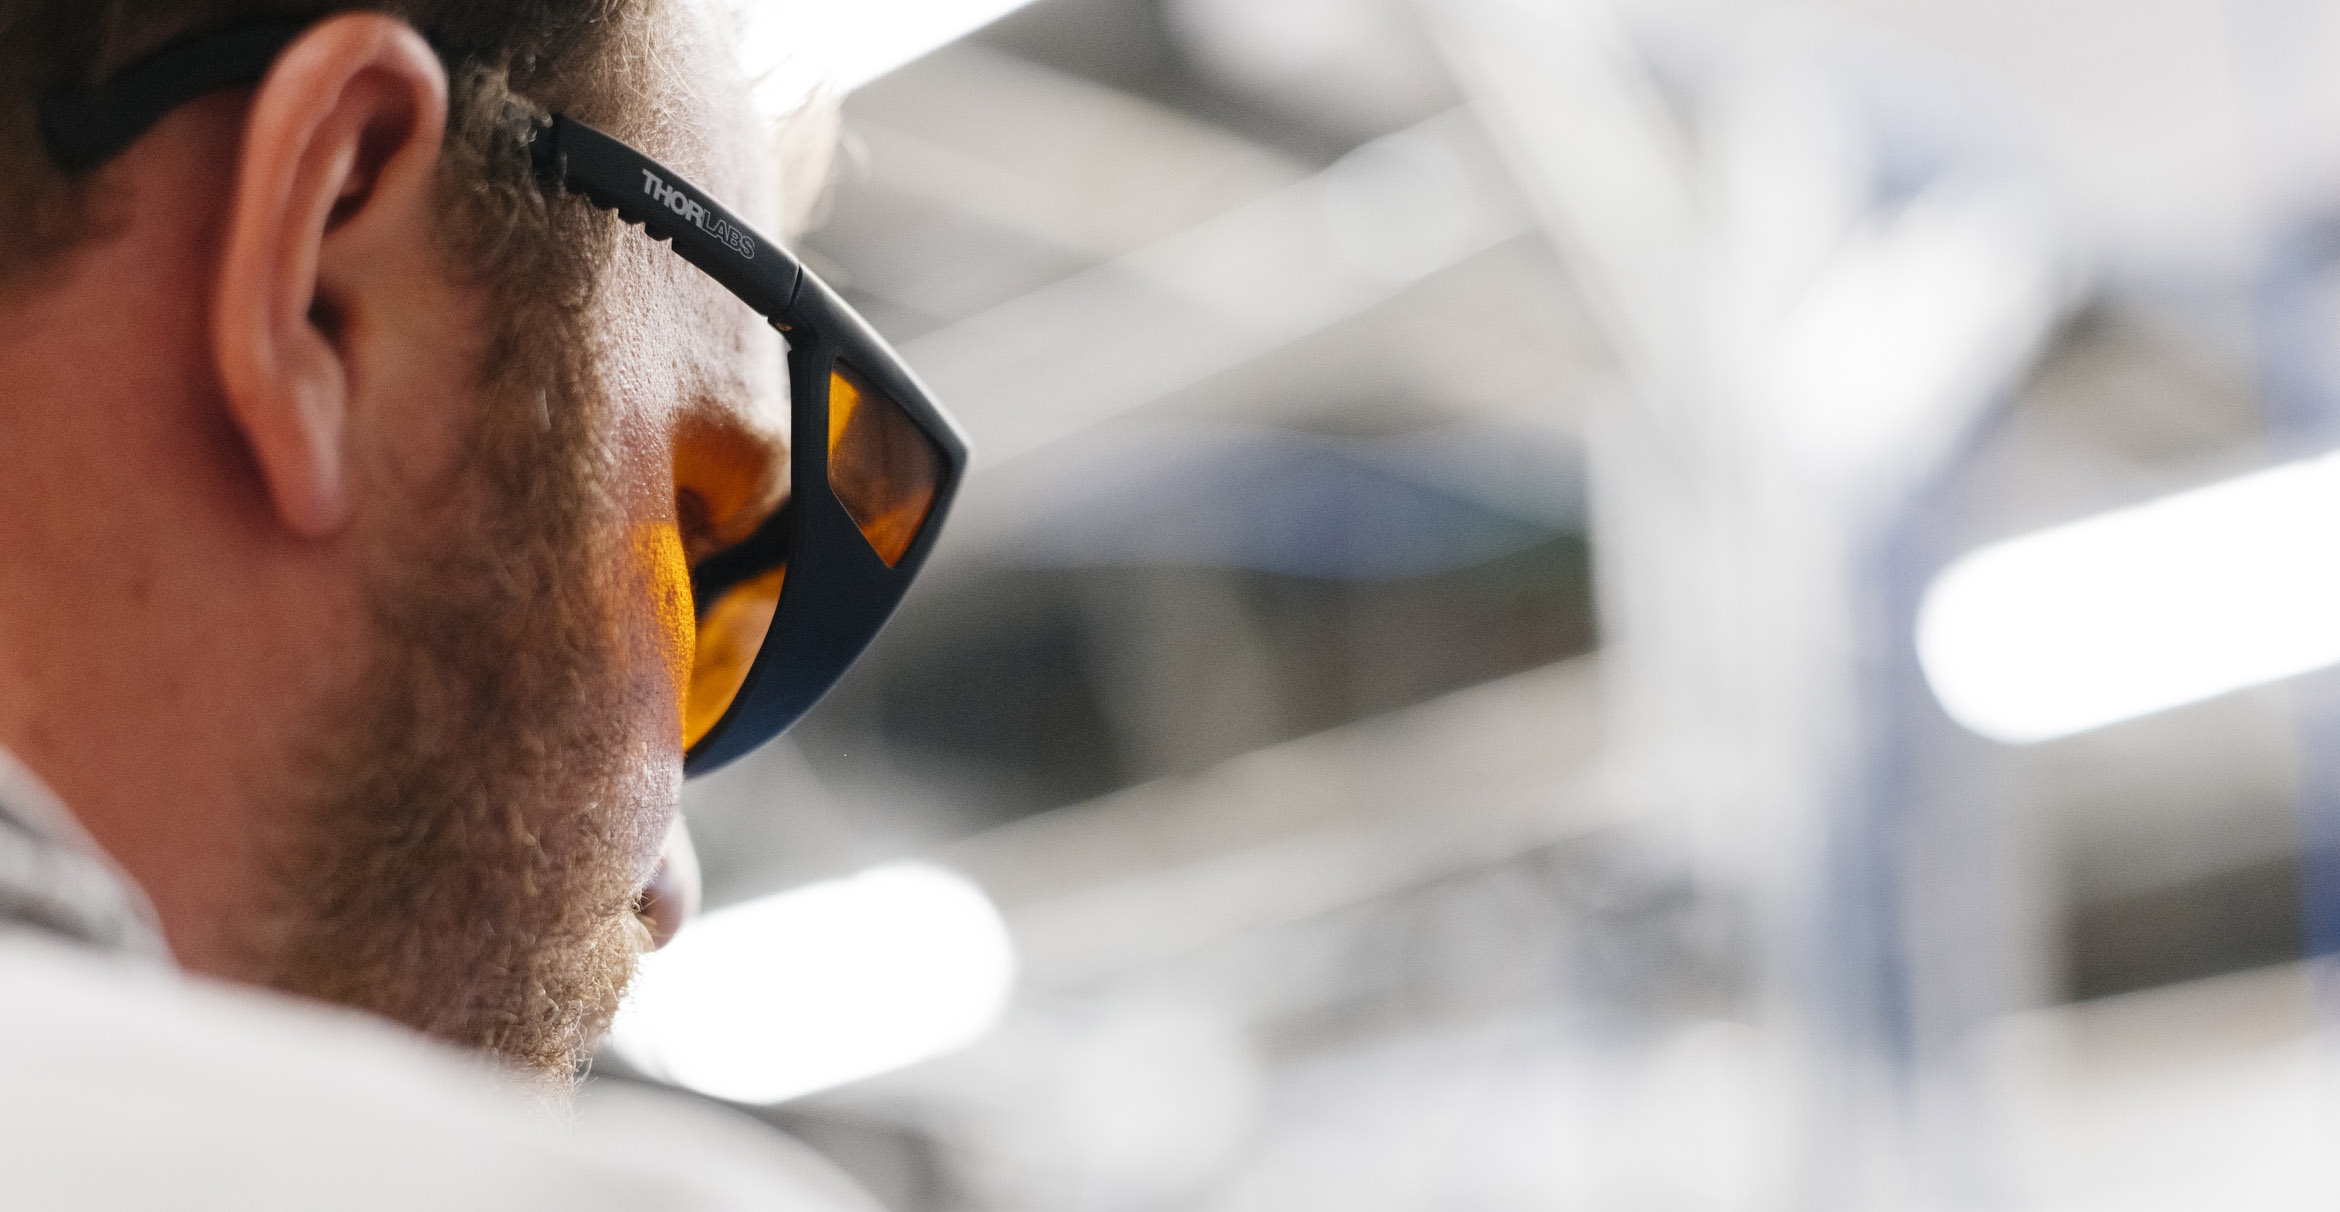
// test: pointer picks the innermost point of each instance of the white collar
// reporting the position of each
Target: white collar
(55, 876)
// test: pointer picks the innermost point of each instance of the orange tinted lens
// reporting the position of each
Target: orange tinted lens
(882, 466)
(731, 632)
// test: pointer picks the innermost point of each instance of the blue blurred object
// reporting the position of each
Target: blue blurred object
(1304, 505)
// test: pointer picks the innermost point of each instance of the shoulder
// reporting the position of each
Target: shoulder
(129, 1085)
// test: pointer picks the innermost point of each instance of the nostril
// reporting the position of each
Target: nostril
(671, 898)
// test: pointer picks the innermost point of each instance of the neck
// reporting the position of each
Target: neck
(159, 640)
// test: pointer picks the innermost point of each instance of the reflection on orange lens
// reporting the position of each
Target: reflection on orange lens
(883, 468)
(731, 632)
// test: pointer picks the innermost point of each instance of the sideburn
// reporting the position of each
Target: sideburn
(465, 860)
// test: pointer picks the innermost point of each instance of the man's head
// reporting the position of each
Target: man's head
(342, 585)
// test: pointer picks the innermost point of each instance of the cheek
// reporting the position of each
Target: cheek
(658, 653)
(667, 626)
(652, 800)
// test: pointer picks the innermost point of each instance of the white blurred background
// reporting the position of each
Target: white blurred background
(1606, 604)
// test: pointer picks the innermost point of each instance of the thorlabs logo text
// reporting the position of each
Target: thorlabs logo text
(697, 216)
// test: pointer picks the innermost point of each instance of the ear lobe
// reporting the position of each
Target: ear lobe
(341, 141)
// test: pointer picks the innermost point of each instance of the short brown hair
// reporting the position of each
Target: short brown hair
(558, 53)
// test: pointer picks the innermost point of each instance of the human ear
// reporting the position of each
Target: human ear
(333, 184)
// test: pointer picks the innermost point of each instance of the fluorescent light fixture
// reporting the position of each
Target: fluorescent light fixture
(2140, 609)
(796, 47)
(821, 985)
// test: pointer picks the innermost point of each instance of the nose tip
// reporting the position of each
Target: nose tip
(672, 897)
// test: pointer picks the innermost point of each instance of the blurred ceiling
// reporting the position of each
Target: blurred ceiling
(1260, 651)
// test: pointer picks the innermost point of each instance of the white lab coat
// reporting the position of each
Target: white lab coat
(127, 1084)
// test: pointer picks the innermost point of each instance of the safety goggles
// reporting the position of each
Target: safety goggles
(783, 614)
